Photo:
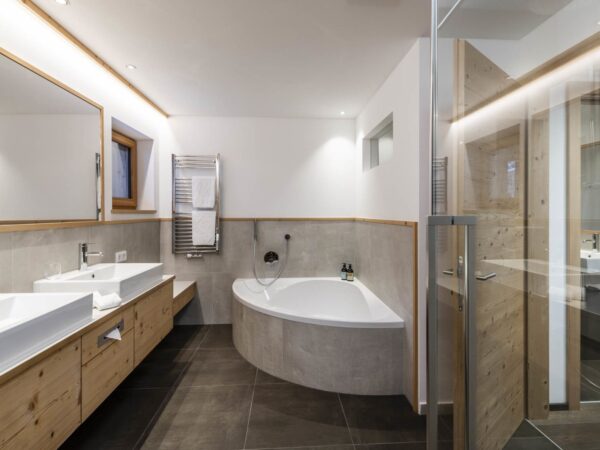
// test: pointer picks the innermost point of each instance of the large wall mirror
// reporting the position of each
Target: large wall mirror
(50, 148)
(590, 163)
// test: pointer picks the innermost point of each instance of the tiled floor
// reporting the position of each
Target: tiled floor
(195, 391)
(527, 437)
(590, 370)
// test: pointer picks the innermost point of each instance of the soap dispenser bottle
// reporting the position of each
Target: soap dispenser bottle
(344, 272)
(350, 273)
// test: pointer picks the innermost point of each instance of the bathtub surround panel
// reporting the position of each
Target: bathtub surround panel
(362, 361)
(25, 256)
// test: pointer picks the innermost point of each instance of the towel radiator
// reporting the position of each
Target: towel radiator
(184, 168)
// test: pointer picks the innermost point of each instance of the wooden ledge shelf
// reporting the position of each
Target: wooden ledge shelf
(183, 293)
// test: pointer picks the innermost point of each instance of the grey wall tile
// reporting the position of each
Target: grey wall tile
(5, 262)
(33, 251)
(25, 256)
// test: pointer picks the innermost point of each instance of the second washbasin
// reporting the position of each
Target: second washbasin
(122, 279)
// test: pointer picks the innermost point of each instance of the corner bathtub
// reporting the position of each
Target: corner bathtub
(322, 333)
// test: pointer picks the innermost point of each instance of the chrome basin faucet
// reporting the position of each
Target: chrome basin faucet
(84, 254)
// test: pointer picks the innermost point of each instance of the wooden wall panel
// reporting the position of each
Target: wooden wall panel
(537, 249)
(492, 185)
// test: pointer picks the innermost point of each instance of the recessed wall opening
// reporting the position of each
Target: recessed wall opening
(378, 145)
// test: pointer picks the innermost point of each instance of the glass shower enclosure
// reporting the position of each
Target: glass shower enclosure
(514, 236)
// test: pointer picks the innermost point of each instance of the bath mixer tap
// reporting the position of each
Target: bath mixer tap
(84, 254)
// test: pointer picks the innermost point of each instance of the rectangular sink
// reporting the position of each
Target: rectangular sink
(31, 322)
(122, 279)
(590, 261)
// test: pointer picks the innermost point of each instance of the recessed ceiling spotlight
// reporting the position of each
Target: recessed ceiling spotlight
(63, 2)
(131, 67)
(342, 113)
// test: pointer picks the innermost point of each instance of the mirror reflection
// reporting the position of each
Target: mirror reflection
(50, 146)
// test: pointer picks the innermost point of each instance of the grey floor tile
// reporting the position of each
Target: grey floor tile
(319, 447)
(184, 336)
(211, 354)
(218, 336)
(526, 430)
(211, 418)
(265, 378)
(162, 368)
(288, 415)
(530, 443)
(383, 419)
(394, 446)
(213, 372)
(574, 436)
(120, 421)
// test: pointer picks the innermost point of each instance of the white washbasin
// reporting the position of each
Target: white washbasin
(30, 322)
(590, 260)
(122, 279)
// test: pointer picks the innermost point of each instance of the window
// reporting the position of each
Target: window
(124, 172)
(378, 145)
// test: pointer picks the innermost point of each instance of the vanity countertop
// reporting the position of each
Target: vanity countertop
(97, 316)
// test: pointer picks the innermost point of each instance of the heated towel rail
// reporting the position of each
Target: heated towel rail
(184, 168)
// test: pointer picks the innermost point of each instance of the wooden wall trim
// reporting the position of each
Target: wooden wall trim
(71, 38)
(403, 223)
(10, 228)
(415, 362)
(573, 254)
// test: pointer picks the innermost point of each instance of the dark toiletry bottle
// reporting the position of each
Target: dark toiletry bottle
(350, 273)
(344, 272)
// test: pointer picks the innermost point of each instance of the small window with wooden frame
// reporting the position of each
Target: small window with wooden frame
(124, 172)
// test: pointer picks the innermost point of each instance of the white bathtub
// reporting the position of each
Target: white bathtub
(320, 301)
(324, 333)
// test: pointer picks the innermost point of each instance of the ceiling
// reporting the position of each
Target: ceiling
(25, 92)
(496, 19)
(270, 58)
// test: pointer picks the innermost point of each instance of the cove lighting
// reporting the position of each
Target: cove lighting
(572, 70)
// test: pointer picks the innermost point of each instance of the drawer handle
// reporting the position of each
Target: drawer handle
(103, 338)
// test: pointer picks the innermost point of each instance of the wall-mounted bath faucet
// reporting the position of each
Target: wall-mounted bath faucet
(84, 254)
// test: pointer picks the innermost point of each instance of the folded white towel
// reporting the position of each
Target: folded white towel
(203, 227)
(106, 301)
(203, 192)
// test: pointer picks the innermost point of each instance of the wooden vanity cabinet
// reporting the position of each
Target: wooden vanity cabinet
(44, 403)
(153, 317)
(40, 407)
(106, 362)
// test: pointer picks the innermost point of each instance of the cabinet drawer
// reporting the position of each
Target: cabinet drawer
(153, 320)
(93, 342)
(101, 375)
(40, 407)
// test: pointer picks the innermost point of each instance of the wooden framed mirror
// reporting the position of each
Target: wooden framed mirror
(51, 149)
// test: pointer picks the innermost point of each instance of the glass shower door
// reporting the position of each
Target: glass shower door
(516, 89)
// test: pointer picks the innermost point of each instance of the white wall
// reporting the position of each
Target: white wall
(568, 27)
(25, 35)
(42, 159)
(390, 190)
(399, 188)
(271, 167)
